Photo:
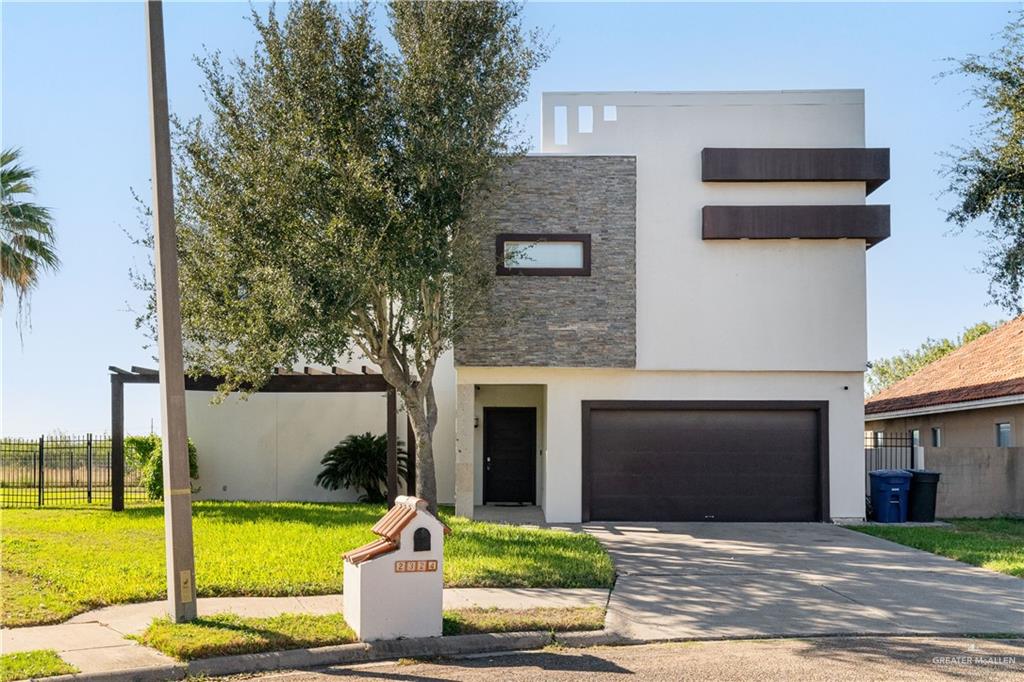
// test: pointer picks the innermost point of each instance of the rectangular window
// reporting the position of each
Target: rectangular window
(586, 119)
(879, 439)
(1004, 437)
(936, 436)
(549, 255)
(561, 125)
(915, 437)
(610, 112)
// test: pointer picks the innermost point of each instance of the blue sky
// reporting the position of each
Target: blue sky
(74, 98)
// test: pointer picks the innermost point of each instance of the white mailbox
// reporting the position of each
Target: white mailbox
(393, 585)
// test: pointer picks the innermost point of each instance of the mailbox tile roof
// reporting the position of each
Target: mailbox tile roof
(371, 551)
(991, 366)
(394, 522)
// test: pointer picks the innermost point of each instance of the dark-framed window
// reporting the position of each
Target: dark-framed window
(1004, 435)
(936, 436)
(543, 255)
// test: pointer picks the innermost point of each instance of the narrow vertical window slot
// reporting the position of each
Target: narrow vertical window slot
(561, 125)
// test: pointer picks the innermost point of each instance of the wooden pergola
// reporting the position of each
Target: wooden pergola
(310, 380)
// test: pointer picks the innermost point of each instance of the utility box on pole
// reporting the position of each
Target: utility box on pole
(394, 585)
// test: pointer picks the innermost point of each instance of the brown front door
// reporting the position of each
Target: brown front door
(712, 461)
(510, 466)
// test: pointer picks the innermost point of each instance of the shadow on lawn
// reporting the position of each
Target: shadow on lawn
(316, 513)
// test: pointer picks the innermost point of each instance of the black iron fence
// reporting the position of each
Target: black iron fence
(58, 471)
(889, 450)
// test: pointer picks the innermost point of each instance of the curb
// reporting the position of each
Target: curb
(153, 673)
(587, 638)
(341, 654)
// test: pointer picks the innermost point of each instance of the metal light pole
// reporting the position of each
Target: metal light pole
(181, 602)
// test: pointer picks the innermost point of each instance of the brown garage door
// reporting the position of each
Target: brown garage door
(704, 461)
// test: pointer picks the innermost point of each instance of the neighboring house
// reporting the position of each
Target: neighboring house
(681, 291)
(966, 410)
(971, 398)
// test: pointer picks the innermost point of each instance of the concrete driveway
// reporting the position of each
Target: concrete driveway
(714, 580)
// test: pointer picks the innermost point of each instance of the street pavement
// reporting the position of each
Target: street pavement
(807, 660)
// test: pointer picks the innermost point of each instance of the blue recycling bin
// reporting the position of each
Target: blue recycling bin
(890, 492)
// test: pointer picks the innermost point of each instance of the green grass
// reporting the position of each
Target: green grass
(995, 544)
(57, 563)
(32, 664)
(228, 634)
(475, 620)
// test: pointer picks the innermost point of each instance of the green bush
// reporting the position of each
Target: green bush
(360, 462)
(145, 454)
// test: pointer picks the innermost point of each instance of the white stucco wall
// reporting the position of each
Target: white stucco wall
(731, 305)
(567, 388)
(269, 446)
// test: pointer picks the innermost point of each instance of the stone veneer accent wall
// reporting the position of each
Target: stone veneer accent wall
(564, 321)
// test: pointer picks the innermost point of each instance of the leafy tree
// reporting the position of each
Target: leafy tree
(26, 231)
(329, 204)
(987, 177)
(361, 462)
(887, 371)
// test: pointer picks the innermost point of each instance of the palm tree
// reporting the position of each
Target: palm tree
(26, 230)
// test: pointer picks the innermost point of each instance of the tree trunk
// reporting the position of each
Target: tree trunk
(418, 398)
(426, 479)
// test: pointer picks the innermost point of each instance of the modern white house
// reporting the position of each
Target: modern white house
(683, 279)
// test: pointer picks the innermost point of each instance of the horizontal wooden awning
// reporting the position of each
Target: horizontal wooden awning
(310, 380)
(867, 222)
(832, 164)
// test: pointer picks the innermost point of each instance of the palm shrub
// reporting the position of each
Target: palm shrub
(145, 454)
(361, 462)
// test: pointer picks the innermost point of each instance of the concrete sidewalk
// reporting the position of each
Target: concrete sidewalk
(95, 641)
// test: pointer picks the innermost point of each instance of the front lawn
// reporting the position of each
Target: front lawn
(29, 665)
(995, 544)
(59, 562)
(228, 634)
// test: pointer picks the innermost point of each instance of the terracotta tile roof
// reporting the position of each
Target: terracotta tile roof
(394, 522)
(989, 367)
(370, 550)
(390, 528)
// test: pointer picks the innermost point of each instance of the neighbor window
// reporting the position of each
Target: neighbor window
(611, 113)
(1004, 437)
(915, 437)
(936, 436)
(879, 439)
(548, 254)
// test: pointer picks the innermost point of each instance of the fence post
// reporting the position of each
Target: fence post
(88, 468)
(42, 487)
